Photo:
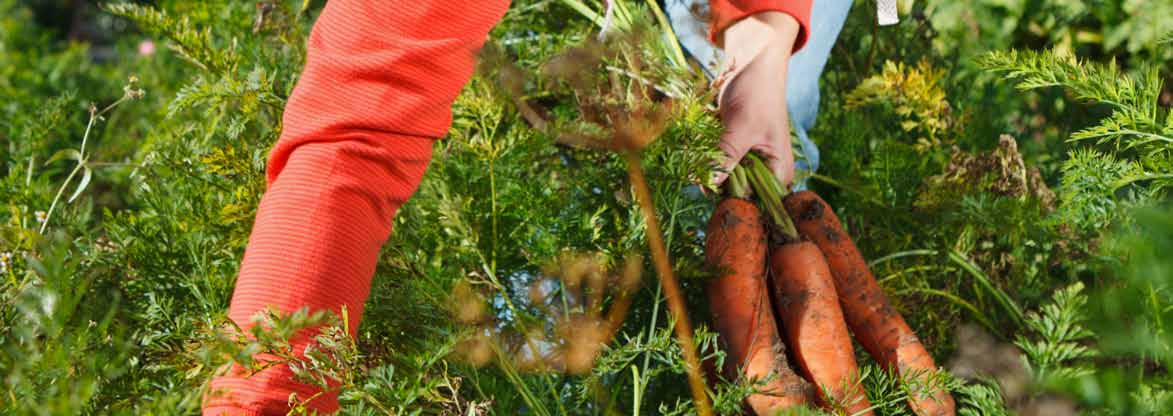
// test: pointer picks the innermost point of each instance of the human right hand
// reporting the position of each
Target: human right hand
(753, 93)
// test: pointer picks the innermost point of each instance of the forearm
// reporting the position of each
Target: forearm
(377, 68)
(767, 35)
(315, 244)
(752, 82)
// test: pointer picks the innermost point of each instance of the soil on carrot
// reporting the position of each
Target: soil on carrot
(811, 210)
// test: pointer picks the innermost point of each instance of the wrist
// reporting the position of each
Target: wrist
(767, 33)
(773, 30)
(763, 39)
(785, 28)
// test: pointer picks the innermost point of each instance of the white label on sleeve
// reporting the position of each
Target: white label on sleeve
(886, 12)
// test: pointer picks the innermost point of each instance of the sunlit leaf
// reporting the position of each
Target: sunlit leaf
(87, 174)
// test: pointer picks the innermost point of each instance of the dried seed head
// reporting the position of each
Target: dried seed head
(565, 340)
(633, 268)
(131, 89)
(584, 340)
(641, 126)
(574, 269)
(617, 98)
(537, 292)
(476, 349)
(468, 305)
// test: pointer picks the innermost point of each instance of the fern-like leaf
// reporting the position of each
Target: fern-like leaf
(1139, 129)
(1056, 351)
(188, 41)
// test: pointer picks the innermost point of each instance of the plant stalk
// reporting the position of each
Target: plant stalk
(673, 44)
(57, 198)
(669, 283)
(770, 193)
(739, 184)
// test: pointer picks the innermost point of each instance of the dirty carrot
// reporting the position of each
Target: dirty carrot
(870, 315)
(808, 306)
(735, 246)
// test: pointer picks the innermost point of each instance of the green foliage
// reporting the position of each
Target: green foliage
(1137, 121)
(114, 296)
(1111, 28)
(1139, 129)
(188, 41)
(1126, 317)
(58, 349)
(914, 94)
(1055, 354)
(981, 399)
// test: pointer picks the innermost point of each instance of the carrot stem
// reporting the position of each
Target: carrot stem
(769, 191)
(738, 184)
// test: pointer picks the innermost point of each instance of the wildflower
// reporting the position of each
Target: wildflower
(42, 216)
(130, 89)
(146, 48)
(5, 261)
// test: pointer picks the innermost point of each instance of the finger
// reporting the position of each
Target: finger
(733, 155)
(783, 170)
(779, 159)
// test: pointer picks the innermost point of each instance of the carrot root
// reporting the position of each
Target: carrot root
(809, 309)
(875, 323)
(735, 245)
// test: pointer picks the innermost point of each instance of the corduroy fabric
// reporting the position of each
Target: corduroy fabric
(377, 89)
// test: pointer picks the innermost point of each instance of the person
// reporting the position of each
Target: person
(376, 92)
(805, 66)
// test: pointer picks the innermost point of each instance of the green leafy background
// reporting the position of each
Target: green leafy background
(1006, 164)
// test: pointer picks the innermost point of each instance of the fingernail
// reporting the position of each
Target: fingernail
(718, 178)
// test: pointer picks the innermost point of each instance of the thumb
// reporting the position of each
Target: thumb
(783, 169)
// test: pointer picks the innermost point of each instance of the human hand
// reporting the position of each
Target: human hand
(752, 98)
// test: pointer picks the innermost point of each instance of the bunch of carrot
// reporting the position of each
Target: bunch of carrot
(819, 286)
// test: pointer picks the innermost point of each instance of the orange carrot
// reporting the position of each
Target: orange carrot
(805, 299)
(876, 324)
(735, 246)
(809, 309)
